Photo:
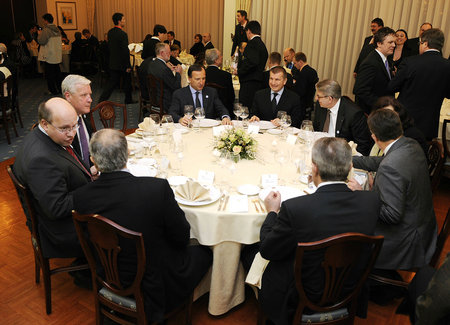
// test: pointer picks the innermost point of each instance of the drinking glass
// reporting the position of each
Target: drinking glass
(199, 115)
(280, 115)
(189, 112)
(298, 159)
(285, 123)
(308, 132)
(221, 160)
(155, 118)
(281, 157)
(244, 113)
(232, 165)
(167, 122)
(161, 136)
(149, 138)
(237, 110)
(179, 149)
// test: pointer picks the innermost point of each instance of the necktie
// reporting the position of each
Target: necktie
(197, 100)
(274, 102)
(326, 126)
(70, 150)
(387, 68)
(83, 141)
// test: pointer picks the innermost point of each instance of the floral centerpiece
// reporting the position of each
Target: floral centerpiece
(237, 141)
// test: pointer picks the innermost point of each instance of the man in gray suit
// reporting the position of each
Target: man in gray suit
(407, 219)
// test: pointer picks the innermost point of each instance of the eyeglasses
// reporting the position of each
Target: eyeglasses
(320, 97)
(66, 129)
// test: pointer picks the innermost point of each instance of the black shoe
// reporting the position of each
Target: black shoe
(82, 281)
(133, 101)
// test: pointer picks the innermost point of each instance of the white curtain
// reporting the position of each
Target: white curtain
(331, 32)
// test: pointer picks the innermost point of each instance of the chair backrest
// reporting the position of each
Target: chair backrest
(341, 255)
(435, 163)
(133, 61)
(107, 113)
(104, 236)
(152, 86)
(6, 87)
(443, 235)
(221, 91)
(86, 53)
(444, 139)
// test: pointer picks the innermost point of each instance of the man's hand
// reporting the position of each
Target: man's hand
(185, 120)
(128, 70)
(235, 72)
(94, 172)
(354, 75)
(254, 118)
(273, 202)
(276, 122)
(354, 185)
(226, 121)
(178, 69)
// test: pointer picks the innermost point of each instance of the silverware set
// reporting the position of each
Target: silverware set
(255, 199)
(223, 201)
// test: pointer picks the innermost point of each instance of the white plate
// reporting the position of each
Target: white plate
(274, 131)
(183, 129)
(285, 191)
(264, 125)
(146, 161)
(295, 130)
(248, 189)
(134, 140)
(214, 194)
(177, 180)
(208, 123)
(142, 170)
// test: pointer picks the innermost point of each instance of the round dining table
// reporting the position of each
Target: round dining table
(223, 231)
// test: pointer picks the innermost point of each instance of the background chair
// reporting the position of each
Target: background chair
(85, 64)
(102, 67)
(109, 293)
(157, 104)
(6, 106)
(435, 163)
(107, 114)
(40, 261)
(446, 148)
(144, 104)
(221, 91)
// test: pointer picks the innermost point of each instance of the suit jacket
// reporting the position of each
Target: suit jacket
(351, 124)
(407, 219)
(171, 82)
(224, 79)
(75, 53)
(239, 37)
(289, 102)
(76, 140)
(208, 46)
(372, 82)
(196, 48)
(93, 41)
(175, 42)
(211, 103)
(365, 50)
(266, 78)
(119, 54)
(253, 61)
(52, 175)
(305, 86)
(146, 205)
(333, 209)
(413, 45)
(423, 82)
(149, 48)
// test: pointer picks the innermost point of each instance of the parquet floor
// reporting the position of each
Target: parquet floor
(22, 300)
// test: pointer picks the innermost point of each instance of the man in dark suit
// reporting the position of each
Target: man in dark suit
(340, 117)
(407, 219)
(274, 60)
(288, 58)
(333, 209)
(214, 74)
(413, 44)
(173, 269)
(77, 91)
(46, 167)
(158, 68)
(119, 60)
(159, 35)
(91, 39)
(368, 45)
(251, 65)
(207, 42)
(171, 39)
(269, 101)
(306, 80)
(239, 31)
(424, 81)
(197, 95)
(374, 74)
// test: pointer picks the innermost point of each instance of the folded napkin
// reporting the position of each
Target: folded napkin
(131, 46)
(353, 146)
(147, 124)
(256, 271)
(138, 48)
(192, 191)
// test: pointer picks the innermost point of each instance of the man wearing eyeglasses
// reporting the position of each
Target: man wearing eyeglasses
(47, 165)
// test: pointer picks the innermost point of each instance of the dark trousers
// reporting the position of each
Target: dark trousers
(247, 92)
(114, 79)
(54, 77)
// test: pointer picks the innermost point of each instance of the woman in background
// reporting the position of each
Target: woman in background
(198, 45)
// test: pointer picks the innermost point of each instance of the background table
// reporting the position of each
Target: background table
(65, 63)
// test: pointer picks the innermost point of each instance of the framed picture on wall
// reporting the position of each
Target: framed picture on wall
(67, 15)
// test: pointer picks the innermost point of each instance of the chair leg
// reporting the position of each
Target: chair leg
(5, 124)
(17, 110)
(13, 124)
(37, 269)
(47, 285)
(189, 304)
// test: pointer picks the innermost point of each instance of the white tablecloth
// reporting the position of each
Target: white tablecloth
(64, 65)
(445, 115)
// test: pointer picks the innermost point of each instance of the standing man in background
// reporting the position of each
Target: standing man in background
(239, 32)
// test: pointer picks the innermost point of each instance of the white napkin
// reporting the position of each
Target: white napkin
(138, 48)
(192, 191)
(256, 271)
(131, 46)
(238, 203)
(353, 146)
(147, 124)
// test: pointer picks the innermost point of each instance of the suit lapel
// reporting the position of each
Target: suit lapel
(188, 99)
(340, 119)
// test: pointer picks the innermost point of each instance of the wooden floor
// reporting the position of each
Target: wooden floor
(22, 300)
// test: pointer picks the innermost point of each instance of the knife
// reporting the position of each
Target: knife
(221, 201)
(225, 204)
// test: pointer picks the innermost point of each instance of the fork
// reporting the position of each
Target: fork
(254, 202)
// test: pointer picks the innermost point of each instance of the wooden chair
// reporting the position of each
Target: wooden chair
(109, 291)
(152, 86)
(341, 254)
(85, 63)
(107, 113)
(6, 106)
(435, 163)
(143, 103)
(435, 259)
(221, 91)
(446, 148)
(40, 261)
(102, 67)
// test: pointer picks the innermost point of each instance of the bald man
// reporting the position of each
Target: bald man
(207, 42)
(47, 165)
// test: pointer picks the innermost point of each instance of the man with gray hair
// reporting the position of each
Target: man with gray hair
(423, 82)
(215, 75)
(333, 209)
(173, 268)
(77, 91)
(340, 117)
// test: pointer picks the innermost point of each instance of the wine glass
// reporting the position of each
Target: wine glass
(189, 112)
(149, 138)
(280, 115)
(199, 114)
(298, 158)
(307, 128)
(244, 113)
(232, 162)
(281, 157)
(161, 136)
(167, 122)
(221, 160)
(237, 110)
(179, 149)
(156, 119)
(285, 123)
